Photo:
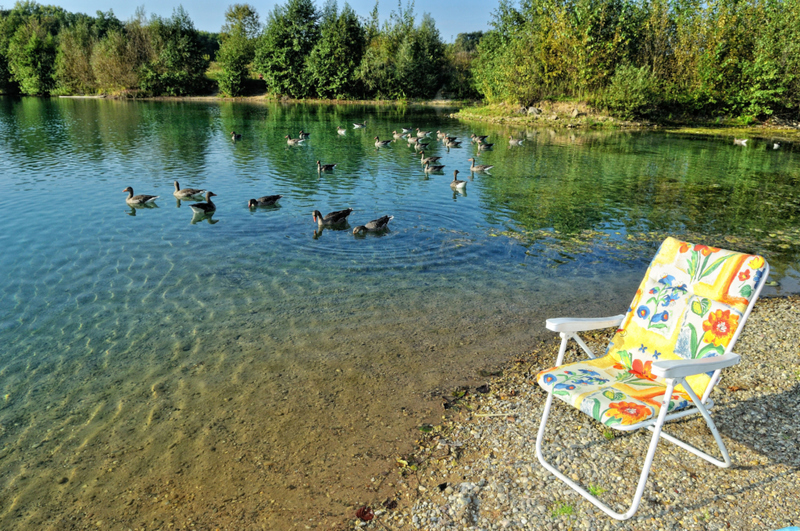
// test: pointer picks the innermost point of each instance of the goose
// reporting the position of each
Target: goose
(361, 125)
(422, 134)
(424, 159)
(293, 141)
(413, 140)
(381, 143)
(456, 183)
(325, 167)
(205, 208)
(440, 135)
(776, 145)
(267, 200)
(453, 144)
(334, 218)
(421, 145)
(374, 225)
(484, 146)
(341, 130)
(186, 193)
(138, 199)
(478, 139)
(740, 141)
(514, 141)
(479, 167)
(429, 168)
(235, 136)
(397, 136)
(407, 130)
(446, 138)
(303, 135)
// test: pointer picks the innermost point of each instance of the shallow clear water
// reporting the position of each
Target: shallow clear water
(147, 334)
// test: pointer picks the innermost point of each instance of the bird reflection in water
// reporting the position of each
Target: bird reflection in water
(133, 208)
(199, 217)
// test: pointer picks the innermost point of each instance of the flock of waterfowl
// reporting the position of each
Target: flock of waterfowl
(339, 217)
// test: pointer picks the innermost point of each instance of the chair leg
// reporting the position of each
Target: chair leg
(642, 478)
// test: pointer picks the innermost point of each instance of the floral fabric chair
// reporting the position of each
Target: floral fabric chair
(667, 353)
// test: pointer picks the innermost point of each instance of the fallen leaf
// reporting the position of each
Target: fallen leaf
(365, 513)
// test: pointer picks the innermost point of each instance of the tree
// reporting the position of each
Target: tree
(334, 60)
(237, 48)
(281, 51)
(73, 70)
(32, 57)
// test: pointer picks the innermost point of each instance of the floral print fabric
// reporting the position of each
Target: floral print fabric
(688, 306)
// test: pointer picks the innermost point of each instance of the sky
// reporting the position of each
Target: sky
(451, 18)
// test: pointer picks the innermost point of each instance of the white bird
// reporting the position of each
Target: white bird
(740, 141)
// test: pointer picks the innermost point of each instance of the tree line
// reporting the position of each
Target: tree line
(633, 57)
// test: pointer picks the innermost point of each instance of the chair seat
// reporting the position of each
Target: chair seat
(610, 392)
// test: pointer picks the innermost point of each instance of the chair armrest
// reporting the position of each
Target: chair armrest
(684, 368)
(576, 324)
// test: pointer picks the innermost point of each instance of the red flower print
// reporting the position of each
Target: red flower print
(628, 412)
(744, 275)
(705, 250)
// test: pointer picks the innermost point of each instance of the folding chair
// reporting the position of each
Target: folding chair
(666, 355)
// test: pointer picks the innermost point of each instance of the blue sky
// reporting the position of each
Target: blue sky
(451, 18)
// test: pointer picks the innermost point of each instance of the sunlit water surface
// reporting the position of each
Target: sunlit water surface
(157, 367)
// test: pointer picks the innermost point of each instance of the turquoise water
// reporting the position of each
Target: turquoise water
(153, 336)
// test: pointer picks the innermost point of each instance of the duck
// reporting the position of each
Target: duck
(424, 159)
(479, 167)
(483, 146)
(267, 200)
(381, 143)
(375, 225)
(303, 135)
(361, 125)
(138, 199)
(430, 168)
(205, 208)
(514, 141)
(453, 144)
(293, 141)
(325, 167)
(334, 218)
(478, 139)
(341, 130)
(740, 141)
(455, 183)
(186, 193)
(235, 136)
(422, 134)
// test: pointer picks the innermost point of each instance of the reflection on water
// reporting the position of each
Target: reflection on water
(264, 370)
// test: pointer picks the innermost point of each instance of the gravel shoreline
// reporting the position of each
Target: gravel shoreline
(478, 469)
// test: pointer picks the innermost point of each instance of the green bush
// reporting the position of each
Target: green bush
(631, 93)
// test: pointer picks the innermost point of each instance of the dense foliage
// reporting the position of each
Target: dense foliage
(633, 57)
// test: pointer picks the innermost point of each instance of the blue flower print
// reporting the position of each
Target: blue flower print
(590, 373)
(643, 348)
(660, 316)
(549, 378)
(656, 354)
(758, 276)
(653, 291)
(671, 297)
(643, 312)
(667, 280)
(567, 386)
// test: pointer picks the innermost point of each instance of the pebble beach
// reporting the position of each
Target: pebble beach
(478, 469)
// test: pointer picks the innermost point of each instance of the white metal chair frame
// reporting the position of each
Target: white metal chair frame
(674, 373)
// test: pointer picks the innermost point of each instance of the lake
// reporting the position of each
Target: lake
(247, 370)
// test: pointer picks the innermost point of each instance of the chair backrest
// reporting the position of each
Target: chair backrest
(692, 303)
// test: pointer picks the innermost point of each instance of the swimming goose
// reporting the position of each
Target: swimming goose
(341, 130)
(440, 135)
(293, 141)
(452, 144)
(303, 135)
(235, 136)
(424, 159)
(381, 143)
(422, 134)
(478, 139)
(740, 141)
(483, 146)
(138, 199)
(776, 145)
(421, 145)
(374, 225)
(479, 167)
(429, 168)
(334, 218)
(446, 138)
(359, 126)
(267, 200)
(205, 208)
(186, 193)
(325, 167)
(397, 135)
(407, 130)
(456, 183)
(514, 141)
(412, 139)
